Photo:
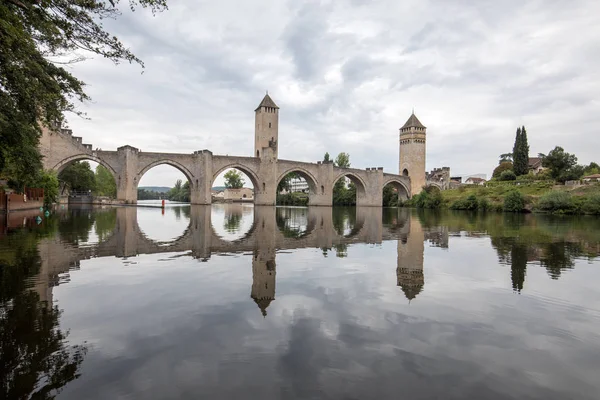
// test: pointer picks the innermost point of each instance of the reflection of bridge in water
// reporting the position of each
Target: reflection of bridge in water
(268, 234)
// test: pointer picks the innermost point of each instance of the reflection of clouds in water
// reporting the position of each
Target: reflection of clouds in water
(161, 227)
(232, 221)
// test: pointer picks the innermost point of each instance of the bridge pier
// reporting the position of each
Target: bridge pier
(126, 179)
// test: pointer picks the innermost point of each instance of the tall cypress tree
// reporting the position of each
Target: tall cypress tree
(516, 151)
(524, 148)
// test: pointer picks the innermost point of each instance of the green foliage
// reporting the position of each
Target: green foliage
(514, 201)
(557, 202)
(521, 153)
(591, 204)
(342, 160)
(105, 183)
(469, 203)
(572, 174)
(326, 157)
(559, 162)
(144, 194)
(285, 183)
(232, 222)
(592, 169)
(504, 166)
(180, 192)
(48, 180)
(342, 195)
(508, 175)
(484, 204)
(233, 179)
(78, 176)
(506, 157)
(390, 196)
(292, 199)
(35, 90)
(430, 197)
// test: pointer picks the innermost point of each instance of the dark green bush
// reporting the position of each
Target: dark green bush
(292, 199)
(468, 203)
(591, 205)
(557, 202)
(484, 205)
(514, 201)
(430, 197)
(508, 175)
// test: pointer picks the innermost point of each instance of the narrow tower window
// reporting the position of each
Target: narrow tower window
(257, 153)
(269, 124)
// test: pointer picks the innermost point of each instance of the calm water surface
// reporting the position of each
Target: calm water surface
(245, 302)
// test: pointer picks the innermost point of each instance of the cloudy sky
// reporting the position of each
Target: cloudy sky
(346, 75)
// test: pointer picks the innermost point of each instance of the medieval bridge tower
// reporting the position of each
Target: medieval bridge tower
(412, 153)
(266, 129)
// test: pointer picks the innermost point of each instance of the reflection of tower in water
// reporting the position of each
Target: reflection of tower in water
(263, 259)
(263, 280)
(409, 271)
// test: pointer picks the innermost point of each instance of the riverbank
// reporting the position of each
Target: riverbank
(541, 197)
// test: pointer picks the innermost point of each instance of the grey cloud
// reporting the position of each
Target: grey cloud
(467, 67)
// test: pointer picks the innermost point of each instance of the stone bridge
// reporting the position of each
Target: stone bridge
(128, 165)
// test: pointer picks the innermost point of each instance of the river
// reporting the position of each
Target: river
(242, 302)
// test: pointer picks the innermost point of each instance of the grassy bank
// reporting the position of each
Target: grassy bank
(543, 197)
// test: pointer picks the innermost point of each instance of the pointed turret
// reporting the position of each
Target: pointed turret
(268, 102)
(412, 122)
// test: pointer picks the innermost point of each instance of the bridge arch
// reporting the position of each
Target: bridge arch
(82, 157)
(401, 186)
(313, 184)
(358, 182)
(165, 161)
(434, 184)
(249, 173)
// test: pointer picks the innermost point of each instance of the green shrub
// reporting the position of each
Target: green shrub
(514, 202)
(508, 175)
(48, 180)
(468, 203)
(507, 165)
(484, 204)
(292, 199)
(591, 204)
(430, 197)
(557, 202)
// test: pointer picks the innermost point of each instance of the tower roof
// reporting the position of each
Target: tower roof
(262, 303)
(267, 101)
(413, 121)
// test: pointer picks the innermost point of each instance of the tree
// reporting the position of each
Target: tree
(326, 157)
(285, 183)
(233, 179)
(508, 175)
(506, 157)
(558, 161)
(521, 152)
(105, 183)
(505, 166)
(78, 176)
(180, 192)
(592, 169)
(35, 88)
(48, 180)
(342, 160)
